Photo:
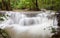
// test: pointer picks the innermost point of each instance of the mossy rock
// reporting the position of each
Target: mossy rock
(4, 34)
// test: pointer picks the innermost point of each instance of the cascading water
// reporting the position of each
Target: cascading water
(43, 20)
(15, 16)
(22, 19)
(30, 21)
(39, 19)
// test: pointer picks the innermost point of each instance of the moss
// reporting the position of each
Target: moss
(4, 34)
(53, 30)
(1, 19)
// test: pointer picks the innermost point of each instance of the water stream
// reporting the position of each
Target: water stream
(24, 20)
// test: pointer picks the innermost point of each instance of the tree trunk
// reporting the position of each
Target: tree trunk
(3, 5)
(37, 7)
(8, 6)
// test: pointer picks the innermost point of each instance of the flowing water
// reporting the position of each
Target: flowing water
(24, 20)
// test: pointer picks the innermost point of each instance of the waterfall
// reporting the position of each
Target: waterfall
(20, 24)
(23, 19)
(37, 19)
(15, 16)
(29, 21)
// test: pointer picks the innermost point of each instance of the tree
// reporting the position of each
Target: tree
(3, 5)
(6, 5)
(37, 7)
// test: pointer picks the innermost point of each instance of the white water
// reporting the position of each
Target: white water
(18, 23)
(22, 19)
(15, 16)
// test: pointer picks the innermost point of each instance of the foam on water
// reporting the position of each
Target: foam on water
(22, 19)
(19, 24)
(15, 16)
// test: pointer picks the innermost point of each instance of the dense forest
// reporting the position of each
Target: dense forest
(30, 4)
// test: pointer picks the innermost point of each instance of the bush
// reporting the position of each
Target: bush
(30, 4)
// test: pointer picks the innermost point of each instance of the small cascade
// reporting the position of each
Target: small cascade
(24, 20)
(15, 16)
(38, 25)
(30, 21)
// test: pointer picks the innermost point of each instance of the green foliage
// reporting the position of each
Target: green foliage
(53, 30)
(30, 4)
(2, 16)
(50, 4)
(1, 19)
(47, 4)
